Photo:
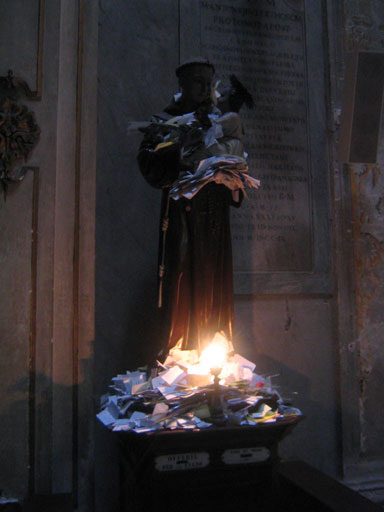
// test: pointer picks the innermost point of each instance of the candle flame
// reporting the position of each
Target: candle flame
(218, 359)
(215, 354)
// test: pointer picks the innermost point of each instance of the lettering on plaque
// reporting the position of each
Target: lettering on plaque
(264, 45)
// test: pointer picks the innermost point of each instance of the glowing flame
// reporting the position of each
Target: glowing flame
(215, 354)
(214, 360)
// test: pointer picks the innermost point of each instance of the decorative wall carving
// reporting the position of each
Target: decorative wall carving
(19, 131)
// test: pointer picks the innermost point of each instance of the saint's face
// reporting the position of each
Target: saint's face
(197, 85)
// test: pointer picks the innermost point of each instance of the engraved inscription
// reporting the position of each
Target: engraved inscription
(264, 45)
(182, 461)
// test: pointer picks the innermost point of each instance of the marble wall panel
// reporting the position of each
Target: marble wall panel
(86, 289)
(43, 360)
(19, 42)
(292, 339)
(362, 107)
(368, 107)
(21, 28)
(138, 51)
(364, 27)
(44, 156)
(15, 286)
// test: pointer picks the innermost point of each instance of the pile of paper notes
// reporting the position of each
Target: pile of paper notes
(178, 395)
(228, 170)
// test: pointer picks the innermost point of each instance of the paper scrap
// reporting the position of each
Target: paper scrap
(241, 361)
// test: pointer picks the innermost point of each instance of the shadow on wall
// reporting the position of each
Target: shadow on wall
(309, 441)
(143, 326)
(126, 325)
(127, 331)
(49, 440)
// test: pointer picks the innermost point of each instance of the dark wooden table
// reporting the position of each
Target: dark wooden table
(226, 468)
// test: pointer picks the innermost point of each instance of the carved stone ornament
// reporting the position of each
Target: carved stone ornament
(19, 132)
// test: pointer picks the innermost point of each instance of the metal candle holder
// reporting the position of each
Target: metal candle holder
(215, 402)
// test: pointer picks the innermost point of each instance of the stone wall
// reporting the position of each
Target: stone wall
(364, 23)
(312, 317)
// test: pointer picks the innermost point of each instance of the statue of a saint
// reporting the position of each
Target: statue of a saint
(195, 255)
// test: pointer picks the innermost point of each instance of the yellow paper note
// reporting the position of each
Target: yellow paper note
(163, 145)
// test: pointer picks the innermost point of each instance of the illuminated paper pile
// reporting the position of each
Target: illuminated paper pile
(178, 395)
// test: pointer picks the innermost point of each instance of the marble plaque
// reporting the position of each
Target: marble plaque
(265, 44)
